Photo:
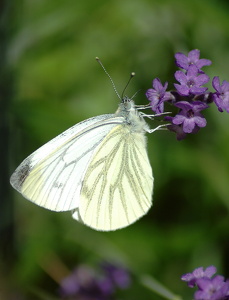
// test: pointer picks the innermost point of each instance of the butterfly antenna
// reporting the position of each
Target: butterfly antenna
(112, 82)
(131, 76)
(134, 95)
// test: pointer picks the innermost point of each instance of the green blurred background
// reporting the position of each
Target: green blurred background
(50, 81)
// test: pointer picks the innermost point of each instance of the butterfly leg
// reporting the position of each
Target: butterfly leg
(157, 128)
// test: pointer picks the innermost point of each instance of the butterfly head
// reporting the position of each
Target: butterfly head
(127, 104)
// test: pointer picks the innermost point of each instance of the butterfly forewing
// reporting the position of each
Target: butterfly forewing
(52, 176)
(117, 186)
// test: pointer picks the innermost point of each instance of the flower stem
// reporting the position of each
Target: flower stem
(158, 288)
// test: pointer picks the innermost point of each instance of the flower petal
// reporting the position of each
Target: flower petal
(194, 55)
(178, 119)
(203, 62)
(181, 60)
(202, 79)
(188, 125)
(210, 271)
(183, 90)
(192, 71)
(181, 77)
(184, 105)
(225, 86)
(195, 90)
(200, 121)
(216, 84)
(157, 85)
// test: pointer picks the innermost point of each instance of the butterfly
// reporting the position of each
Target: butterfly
(98, 169)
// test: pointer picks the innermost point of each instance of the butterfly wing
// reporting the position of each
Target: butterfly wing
(52, 176)
(118, 183)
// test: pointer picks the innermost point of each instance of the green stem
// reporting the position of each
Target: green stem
(158, 288)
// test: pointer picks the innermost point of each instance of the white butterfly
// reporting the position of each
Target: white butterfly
(99, 168)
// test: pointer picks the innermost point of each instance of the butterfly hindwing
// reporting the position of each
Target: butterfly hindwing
(117, 186)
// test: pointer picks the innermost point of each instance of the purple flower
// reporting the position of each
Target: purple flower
(221, 97)
(190, 95)
(119, 276)
(190, 83)
(190, 115)
(212, 289)
(215, 288)
(80, 282)
(70, 285)
(84, 283)
(158, 95)
(178, 129)
(106, 286)
(198, 273)
(193, 58)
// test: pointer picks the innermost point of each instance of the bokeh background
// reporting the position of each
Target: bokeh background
(49, 80)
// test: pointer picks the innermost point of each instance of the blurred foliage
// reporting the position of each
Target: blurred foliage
(56, 83)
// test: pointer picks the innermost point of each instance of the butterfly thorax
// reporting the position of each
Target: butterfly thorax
(128, 111)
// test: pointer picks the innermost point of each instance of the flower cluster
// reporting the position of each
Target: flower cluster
(189, 96)
(86, 284)
(209, 288)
